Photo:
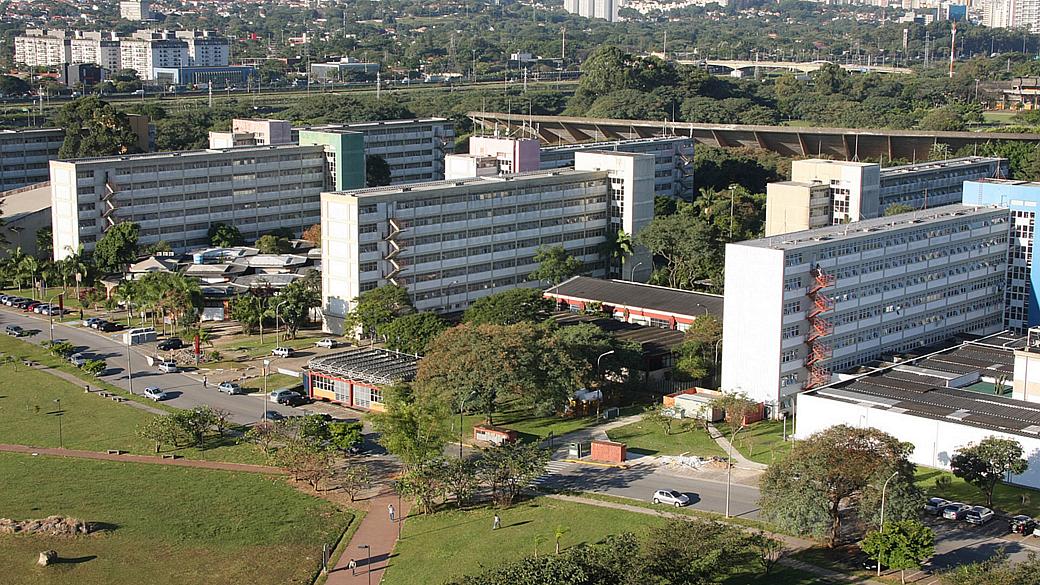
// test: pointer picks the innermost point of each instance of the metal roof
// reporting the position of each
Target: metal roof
(654, 340)
(370, 365)
(623, 293)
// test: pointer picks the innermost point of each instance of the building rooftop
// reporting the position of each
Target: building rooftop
(942, 386)
(843, 163)
(478, 183)
(935, 165)
(25, 200)
(636, 294)
(371, 365)
(607, 144)
(376, 124)
(864, 228)
(182, 154)
(654, 340)
(1009, 182)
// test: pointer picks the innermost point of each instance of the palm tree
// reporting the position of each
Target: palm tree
(558, 533)
(618, 248)
(12, 266)
(29, 267)
(76, 263)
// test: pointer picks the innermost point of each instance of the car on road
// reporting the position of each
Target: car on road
(171, 343)
(30, 306)
(293, 399)
(230, 388)
(282, 352)
(14, 330)
(277, 394)
(78, 359)
(109, 326)
(955, 511)
(1022, 524)
(168, 367)
(934, 506)
(326, 342)
(978, 515)
(671, 497)
(90, 322)
(155, 393)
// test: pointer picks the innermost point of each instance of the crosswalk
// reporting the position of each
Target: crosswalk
(554, 467)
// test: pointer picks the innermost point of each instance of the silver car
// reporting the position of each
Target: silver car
(155, 393)
(671, 497)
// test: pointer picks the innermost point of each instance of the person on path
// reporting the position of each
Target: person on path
(352, 565)
(390, 508)
(205, 382)
(497, 523)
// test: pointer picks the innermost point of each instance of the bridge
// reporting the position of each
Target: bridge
(794, 141)
(800, 66)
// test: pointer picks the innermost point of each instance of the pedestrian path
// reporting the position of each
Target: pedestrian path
(554, 467)
(738, 459)
(128, 458)
(379, 533)
(79, 382)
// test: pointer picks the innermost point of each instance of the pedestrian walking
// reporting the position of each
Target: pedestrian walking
(390, 508)
(205, 382)
(352, 565)
(497, 524)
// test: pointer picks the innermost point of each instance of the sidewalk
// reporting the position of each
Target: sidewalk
(376, 531)
(75, 381)
(128, 458)
(593, 433)
(738, 459)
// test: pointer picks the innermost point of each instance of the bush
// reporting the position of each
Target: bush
(95, 367)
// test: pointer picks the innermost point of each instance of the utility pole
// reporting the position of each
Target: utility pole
(927, 48)
(953, 48)
(379, 84)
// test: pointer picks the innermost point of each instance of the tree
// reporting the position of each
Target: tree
(160, 429)
(13, 86)
(248, 310)
(737, 406)
(195, 423)
(272, 244)
(117, 248)
(44, 243)
(160, 247)
(94, 128)
(690, 552)
(618, 248)
(263, 434)
(805, 493)
(313, 234)
(985, 464)
(353, 479)
(657, 417)
(294, 304)
(313, 430)
(696, 354)
(768, 550)
(94, 367)
(29, 267)
(558, 533)
(555, 265)
(305, 462)
(898, 208)
(413, 333)
(378, 307)
(510, 467)
(224, 236)
(377, 171)
(459, 477)
(518, 305)
(346, 435)
(996, 570)
(903, 545)
(413, 427)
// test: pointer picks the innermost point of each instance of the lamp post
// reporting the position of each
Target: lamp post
(129, 365)
(50, 314)
(717, 372)
(61, 443)
(462, 405)
(368, 561)
(632, 274)
(705, 309)
(277, 331)
(260, 312)
(267, 366)
(729, 469)
(882, 529)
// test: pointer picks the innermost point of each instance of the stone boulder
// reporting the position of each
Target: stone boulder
(51, 526)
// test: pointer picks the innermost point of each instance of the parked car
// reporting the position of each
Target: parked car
(96, 324)
(934, 506)
(1022, 524)
(171, 343)
(78, 359)
(109, 326)
(155, 393)
(39, 307)
(293, 399)
(30, 306)
(671, 497)
(955, 511)
(282, 352)
(326, 342)
(90, 322)
(277, 395)
(230, 388)
(14, 330)
(978, 515)
(168, 367)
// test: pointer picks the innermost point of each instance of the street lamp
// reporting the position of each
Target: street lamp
(129, 365)
(267, 366)
(705, 309)
(601, 356)
(882, 530)
(717, 372)
(729, 469)
(277, 331)
(632, 274)
(50, 314)
(368, 561)
(462, 405)
(61, 443)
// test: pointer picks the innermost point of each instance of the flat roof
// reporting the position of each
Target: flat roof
(1009, 182)
(371, 365)
(184, 153)
(560, 175)
(376, 124)
(864, 227)
(24, 201)
(637, 294)
(935, 165)
(606, 144)
(919, 387)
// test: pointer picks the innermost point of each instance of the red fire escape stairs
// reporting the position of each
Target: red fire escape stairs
(820, 328)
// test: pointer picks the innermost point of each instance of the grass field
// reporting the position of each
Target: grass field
(1006, 498)
(29, 415)
(170, 525)
(762, 441)
(534, 427)
(650, 439)
(423, 559)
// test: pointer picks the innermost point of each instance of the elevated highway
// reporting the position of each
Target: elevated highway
(803, 67)
(839, 143)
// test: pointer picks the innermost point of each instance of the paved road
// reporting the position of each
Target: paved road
(186, 392)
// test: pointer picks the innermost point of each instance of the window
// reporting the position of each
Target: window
(792, 307)
(788, 380)
(789, 356)
(793, 283)
(791, 332)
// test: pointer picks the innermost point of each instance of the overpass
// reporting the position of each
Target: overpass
(803, 66)
(838, 143)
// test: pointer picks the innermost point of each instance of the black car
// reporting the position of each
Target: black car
(109, 326)
(292, 399)
(171, 343)
(1022, 524)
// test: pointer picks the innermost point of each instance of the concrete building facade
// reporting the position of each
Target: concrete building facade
(135, 9)
(673, 160)
(96, 48)
(804, 306)
(145, 55)
(176, 197)
(42, 48)
(605, 9)
(450, 243)
(25, 155)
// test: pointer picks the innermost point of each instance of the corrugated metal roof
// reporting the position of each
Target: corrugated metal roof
(643, 296)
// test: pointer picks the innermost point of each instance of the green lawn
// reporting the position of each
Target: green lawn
(169, 525)
(1006, 498)
(29, 415)
(650, 439)
(274, 382)
(424, 558)
(762, 441)
(252, 347)
(534, 427)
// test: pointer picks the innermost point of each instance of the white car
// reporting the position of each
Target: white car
(278, 394)
(155, 393)
(978, 515)
(283, 352)
(78, 359)
(168, 367)
(230, 388)
(671, 497)
(326, 342)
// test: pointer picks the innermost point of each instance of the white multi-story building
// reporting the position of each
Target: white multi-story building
(1012, 14)
(414, 149)
(25, 156)
(135, 9)
(453, 242)
(673, 160)
(97, 48)
(857, 191)
(803, 306)
(145, 54)
(175, 197)
(206, 49)
(42, 48)
(605, 9)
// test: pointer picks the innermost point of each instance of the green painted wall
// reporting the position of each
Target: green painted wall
(349, 151)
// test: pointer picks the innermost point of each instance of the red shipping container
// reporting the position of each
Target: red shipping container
(608, 451)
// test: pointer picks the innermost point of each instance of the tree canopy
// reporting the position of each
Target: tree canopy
(518, 305)
(94, 128)
(988, 462)
(117, 248)
(223, 235)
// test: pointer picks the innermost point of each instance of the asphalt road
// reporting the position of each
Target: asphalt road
(185, 391)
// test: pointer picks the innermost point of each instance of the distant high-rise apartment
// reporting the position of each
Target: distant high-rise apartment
(135, 9)
(25, 155)
(1012, 14)
(42, 48)
(605, 9)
